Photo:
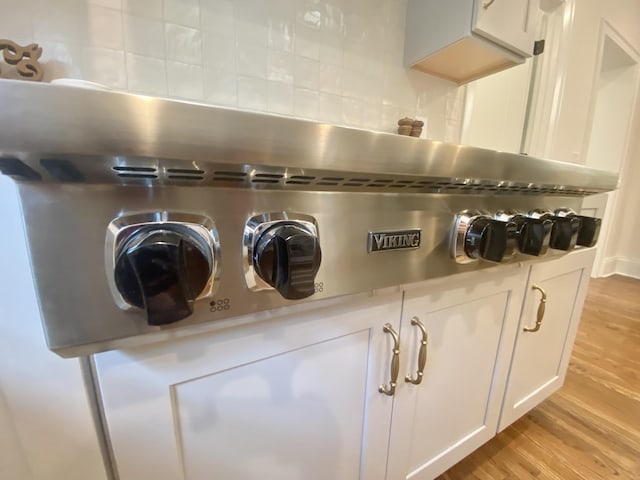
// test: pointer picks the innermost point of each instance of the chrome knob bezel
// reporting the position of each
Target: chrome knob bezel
(458, 233)
(253, 230)
(126, 227)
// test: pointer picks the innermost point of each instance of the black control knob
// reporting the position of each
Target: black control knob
(163, 270)
(564, 234)
(287, 256)
(534, 234)
(490, 239)
(589, 231)
(589, 227)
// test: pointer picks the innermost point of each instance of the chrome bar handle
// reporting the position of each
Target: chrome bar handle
(541, 307)
(422, 354)
(395, 362)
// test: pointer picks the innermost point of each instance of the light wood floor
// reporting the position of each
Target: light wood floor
(590, 429)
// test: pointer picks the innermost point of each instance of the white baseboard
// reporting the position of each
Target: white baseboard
(609, 267)
(629, 267)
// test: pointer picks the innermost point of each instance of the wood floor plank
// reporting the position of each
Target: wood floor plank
(589, 429)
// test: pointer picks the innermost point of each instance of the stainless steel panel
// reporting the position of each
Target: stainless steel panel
(67, 226)
(44, 122)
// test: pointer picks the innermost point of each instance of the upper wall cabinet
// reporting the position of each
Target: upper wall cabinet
(462, 40)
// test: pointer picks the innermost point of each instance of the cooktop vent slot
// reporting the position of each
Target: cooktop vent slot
(135, 172)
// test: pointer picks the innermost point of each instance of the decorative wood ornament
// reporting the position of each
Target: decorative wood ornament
(410, 127)
(24, 58)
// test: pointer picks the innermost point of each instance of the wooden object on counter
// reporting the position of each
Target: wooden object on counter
(416, 128)
(405, 125)
(410, 127)
(25, 59)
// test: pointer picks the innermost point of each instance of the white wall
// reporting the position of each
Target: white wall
(496, 107)
(625, 237)
(610, 118)
(571, 139)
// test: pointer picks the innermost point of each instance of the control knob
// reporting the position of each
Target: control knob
(483, 237)
(533, 234)
(287, 257)
(163, 269)
(589, 227)
(564, 232)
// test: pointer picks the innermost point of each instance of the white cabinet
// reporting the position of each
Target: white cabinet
(553, 305)
(462, 40)
(456, 407)
(508, 23)
(296, 395)
(287, 398)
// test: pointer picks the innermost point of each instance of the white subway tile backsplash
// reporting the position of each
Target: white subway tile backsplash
(310, 14)
(61, 60)
(252, 93)
(144, 8)
(371, 115)
(306, 42)
(105, 66)
(117, 4)
(331, 52)
(104, 27)
(306, 103)
(280, 66)
(372, 88)
(330, 108)
(144, 36)
(251, 11)
(356, 31)
(389, 118)
(306, 73)
(219, 52)
(252, 61)
(182, 12)
(355, 57)
(249, 33)
(184, 44)
(280, 97)
(19, 29)
(64, 22)
(353, 82)
(147, 75)
(280, 34)
(185, 81)
(337, 61)
(333, 19)
(221, 6)
(352, 111)
(217, 16)
(330, 80)
(437, 127)
(454, 101)
(452, 129)
(220, 87)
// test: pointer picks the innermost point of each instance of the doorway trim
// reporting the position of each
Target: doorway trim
(604, 266)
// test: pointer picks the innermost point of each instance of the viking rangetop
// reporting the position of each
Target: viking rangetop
(145, 215)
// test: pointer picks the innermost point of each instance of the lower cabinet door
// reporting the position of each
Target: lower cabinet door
(456, 406)
(287, 398)
(553, 305)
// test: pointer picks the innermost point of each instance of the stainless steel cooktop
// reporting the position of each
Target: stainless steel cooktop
(145, 215)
